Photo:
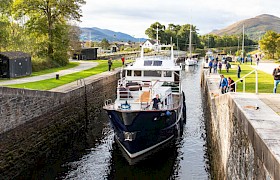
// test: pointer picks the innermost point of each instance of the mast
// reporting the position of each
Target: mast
(243, 44)
(157, 43)
(157, 34)
(190, 39)
(172, 53)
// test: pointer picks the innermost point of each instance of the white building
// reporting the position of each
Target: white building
(151, 44)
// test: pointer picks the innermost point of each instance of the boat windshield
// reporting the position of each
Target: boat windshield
(152, 63)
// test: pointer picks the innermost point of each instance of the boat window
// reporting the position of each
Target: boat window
(152, 63)
(167, 73)
(128, 72)
(152, 73)
(177, 76)
(157, 63)
(148, 63)
(137, 73)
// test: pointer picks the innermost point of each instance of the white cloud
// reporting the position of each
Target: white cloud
(135, 16)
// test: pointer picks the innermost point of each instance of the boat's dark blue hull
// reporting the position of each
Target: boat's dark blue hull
(138, 132)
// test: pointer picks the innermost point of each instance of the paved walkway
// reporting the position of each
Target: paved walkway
(83, 66)
(266, 67)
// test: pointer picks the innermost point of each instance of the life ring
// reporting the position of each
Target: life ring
(125, 106)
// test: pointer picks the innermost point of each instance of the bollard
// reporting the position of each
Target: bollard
(57, 76)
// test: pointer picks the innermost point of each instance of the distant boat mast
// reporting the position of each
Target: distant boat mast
(243, 43)
(190, 41)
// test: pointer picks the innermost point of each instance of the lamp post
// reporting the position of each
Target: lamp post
(238, 43)
(243, 43)
(208, 41)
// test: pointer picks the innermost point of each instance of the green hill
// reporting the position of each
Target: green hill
(254, 27)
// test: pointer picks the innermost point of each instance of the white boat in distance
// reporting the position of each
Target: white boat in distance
(191, 61)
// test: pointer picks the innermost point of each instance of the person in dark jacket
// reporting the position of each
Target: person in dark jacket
(156, 101)
(228, 66)
(238, 71)
(220, 66)
(276, 75)
(110, 64)
(231, 86)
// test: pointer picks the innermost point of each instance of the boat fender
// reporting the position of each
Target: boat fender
(168, 113)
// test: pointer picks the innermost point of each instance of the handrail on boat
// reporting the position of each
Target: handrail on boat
(107, 102)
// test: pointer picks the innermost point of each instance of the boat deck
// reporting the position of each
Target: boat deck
(145, 97)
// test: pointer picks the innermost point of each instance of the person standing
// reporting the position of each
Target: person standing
(206, 59)
(276, 75)
(231, 86)
(223, 84)
(238, 71)
(215, 66)
(110, 64)
(228, 66)
(156, 102)
(210, 65)
(123, 60)
(258, 60)
(220, 66)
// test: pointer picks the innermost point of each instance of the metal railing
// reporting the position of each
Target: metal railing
(134, 97)
(243, 79)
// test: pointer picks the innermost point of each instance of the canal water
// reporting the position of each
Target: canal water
(99, 157)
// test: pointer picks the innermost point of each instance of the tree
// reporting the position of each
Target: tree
(48, 18)
(4, 35)
(151, 32)
(5, 7)
(268, 43)
(278, 46)
(105, 44)
(74, 37)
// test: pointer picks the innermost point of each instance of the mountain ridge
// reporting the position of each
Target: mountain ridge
(254, 27)
(97, 34)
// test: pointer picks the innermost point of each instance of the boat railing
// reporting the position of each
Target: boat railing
(126, 94)
(107, 102)
(172, 106)
(121, 81)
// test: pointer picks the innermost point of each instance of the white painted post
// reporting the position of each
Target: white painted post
(244, 84)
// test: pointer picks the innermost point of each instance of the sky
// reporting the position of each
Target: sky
(133, 17)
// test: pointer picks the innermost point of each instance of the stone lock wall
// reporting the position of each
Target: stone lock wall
(230, 137)
(37, 124)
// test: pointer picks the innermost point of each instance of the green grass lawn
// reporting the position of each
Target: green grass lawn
(53, 83)
(265, 81)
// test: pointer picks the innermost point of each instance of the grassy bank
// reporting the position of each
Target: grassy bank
(265, 81)
(53, 83)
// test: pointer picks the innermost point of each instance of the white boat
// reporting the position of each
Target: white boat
(191, 61)
(139, 126)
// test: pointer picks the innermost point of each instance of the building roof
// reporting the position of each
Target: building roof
(14, 54)
(151, 41)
